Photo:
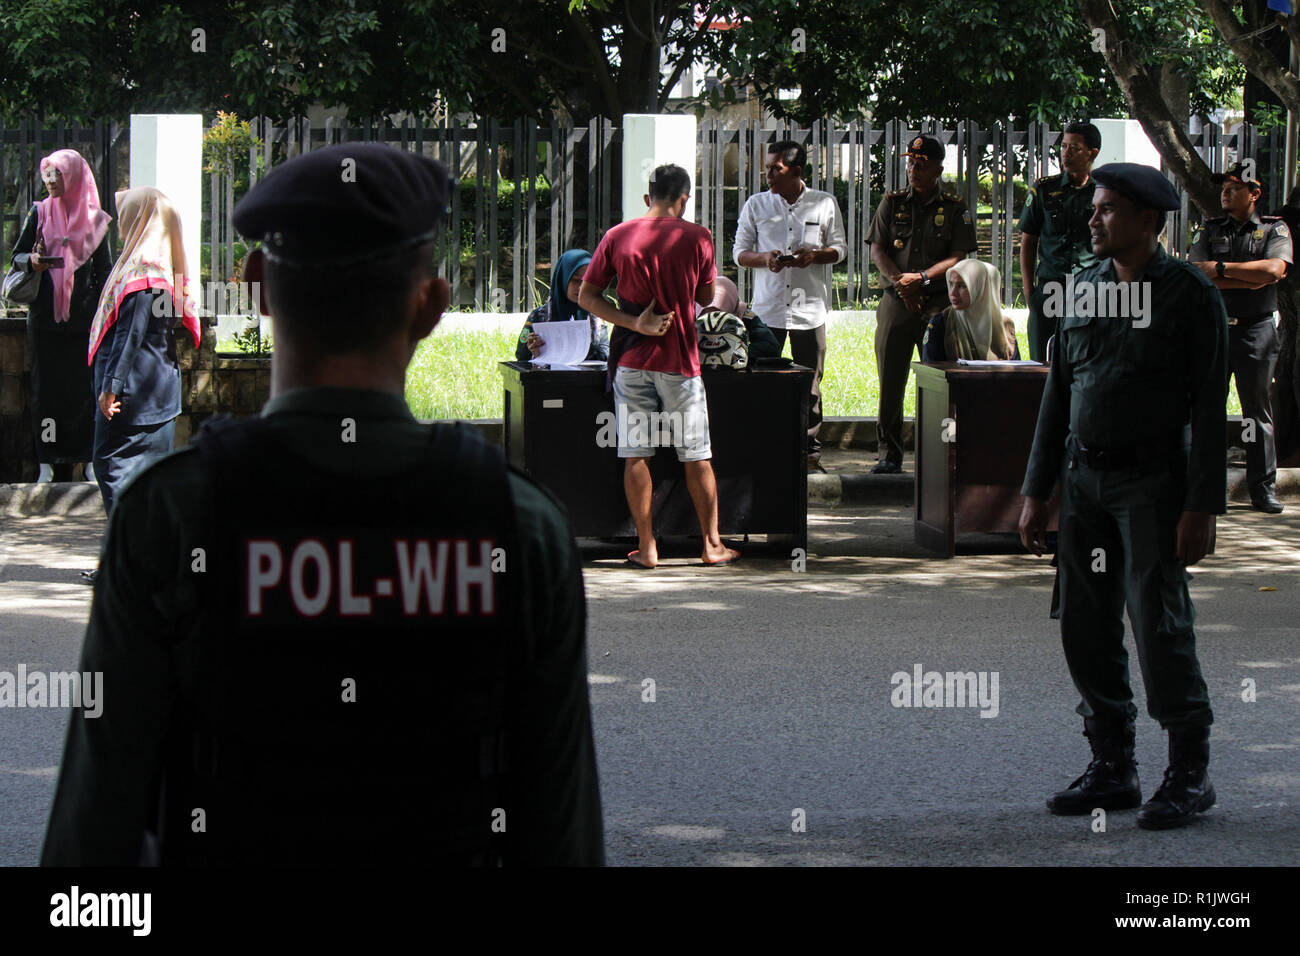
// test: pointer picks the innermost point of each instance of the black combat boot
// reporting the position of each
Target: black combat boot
(1186, 789)
(1111, 780)
(1264, 498)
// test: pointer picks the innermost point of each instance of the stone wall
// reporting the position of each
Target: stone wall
(209, 384)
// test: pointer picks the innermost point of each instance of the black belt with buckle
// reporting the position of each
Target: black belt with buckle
(1248, 319)
(1128, 456)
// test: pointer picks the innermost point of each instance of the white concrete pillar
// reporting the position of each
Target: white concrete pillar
(167, 152)
(1124, 141)
(651, 140)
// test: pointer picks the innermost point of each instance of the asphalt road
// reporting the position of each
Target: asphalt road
(772, 702)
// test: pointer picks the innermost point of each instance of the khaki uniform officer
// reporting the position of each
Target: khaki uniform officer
(919, 233)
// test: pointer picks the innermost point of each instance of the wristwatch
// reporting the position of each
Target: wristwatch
(1219, 270)
(925, 281)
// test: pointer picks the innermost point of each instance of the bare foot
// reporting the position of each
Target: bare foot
(719, 555)
(645, 558)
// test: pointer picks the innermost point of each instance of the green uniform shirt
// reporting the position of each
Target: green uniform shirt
(918, 234)
(1057, 213)
(1114, 385)
(144, 624)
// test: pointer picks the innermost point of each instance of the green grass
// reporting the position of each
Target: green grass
(455, 374)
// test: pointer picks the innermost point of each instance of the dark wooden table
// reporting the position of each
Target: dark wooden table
(757, 430)
(974, 430)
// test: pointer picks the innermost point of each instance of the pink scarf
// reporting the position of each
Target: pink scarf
(72, 225)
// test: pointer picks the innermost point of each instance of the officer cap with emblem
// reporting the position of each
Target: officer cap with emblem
(346, 204)
(1141, 185)
(926, 146)
(1233, 174)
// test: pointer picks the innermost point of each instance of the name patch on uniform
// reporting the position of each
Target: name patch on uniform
(369, 576)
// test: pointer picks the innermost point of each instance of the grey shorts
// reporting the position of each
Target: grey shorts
(656, 410)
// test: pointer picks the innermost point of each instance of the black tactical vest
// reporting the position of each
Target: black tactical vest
(354, 667)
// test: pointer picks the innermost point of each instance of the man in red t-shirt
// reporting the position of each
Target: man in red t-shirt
(659, 259)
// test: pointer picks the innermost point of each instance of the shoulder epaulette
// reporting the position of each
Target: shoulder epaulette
(950, 197)
(1271, 219)
(1046, 181)
(895, 193)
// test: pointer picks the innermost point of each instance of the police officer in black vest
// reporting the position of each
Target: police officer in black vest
(1245, 255)
(329, 634)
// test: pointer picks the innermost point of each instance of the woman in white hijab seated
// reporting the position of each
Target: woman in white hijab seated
(974, 326)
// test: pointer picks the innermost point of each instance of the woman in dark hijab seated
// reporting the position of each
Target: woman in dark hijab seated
(974, 326)
(562, 305)
(726, 298)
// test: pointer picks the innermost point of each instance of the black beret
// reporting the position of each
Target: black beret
(344, 204)
(1143, 185)
(1233, 174)
(926, 146)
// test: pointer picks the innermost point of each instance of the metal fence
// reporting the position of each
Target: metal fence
(529, 192)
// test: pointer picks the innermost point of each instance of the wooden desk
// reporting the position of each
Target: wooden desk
(974, 431)
(757, 431)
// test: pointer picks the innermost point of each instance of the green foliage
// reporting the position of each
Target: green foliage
(1269, 117)
(226, 146)
(251, 340)
(85, 59)
(960, 60)
(468, 192)
(949, 60)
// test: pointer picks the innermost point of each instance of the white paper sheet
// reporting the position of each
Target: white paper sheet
(567, 343)
(962, 361)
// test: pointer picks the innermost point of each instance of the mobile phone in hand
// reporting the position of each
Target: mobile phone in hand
(54, 262)
(787, 258)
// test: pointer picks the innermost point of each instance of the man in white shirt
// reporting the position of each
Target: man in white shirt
(791, 236)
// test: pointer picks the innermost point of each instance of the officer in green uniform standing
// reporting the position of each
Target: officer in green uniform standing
(330, 635)
(1246, 255)
(918, 234)
(1140, 360)
(1054, 228)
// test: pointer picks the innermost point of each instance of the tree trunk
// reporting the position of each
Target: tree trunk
(1166, 130)
(1254, 54)
(1174, 90)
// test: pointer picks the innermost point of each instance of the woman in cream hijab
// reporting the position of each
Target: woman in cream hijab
(974, 325)
(133, 340)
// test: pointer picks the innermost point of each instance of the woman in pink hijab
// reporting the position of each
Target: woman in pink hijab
(67, 225)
